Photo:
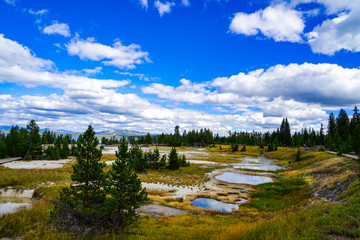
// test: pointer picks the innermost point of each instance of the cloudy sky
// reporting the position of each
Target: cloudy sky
(149, 65)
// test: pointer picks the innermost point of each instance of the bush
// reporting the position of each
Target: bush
(243, 149)
(234, 147)
(183, 162)
(52, 153)
(271, 147)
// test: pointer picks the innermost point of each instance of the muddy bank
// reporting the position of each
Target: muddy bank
(157, 211)
(37, 164)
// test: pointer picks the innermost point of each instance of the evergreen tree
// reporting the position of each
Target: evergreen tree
(52, 153)
(82, 204)
(243, 149)
(3, 148)
(35, 149)
(342, 125)
(234, 147)
(177, 137)
(321, 135)
(282, 132)
(148, 139)
(123, 149)
(136, 158)
(174, 163)
(331, 125)
(17, 142)
(355, 120)
(356, 138)
(183, 162)
(126, 193)
(287, 133)
(65, 151)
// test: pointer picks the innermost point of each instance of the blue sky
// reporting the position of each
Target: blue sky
(150, 65)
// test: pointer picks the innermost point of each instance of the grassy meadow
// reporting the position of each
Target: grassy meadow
(288, 208)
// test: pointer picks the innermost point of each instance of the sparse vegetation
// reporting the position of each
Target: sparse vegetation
(284, 209)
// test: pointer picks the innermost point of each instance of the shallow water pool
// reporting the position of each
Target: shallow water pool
(231, 177)
(214, 204)
(11, 207)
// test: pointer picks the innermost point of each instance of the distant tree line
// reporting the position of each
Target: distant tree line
(111, 141)
(149, 160)
(343, 135)
(28, 143)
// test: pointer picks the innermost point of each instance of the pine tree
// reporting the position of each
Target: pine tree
(12, 142)
(177, 137)
(331, 125)
(356, 138)
(342, 125)
(148, 139)
(82, 204)
(321, 135)
(35, 149)
(3, 148)
(136, 158)
(287, 133)
(355, 120)
(282, 132)
(125, 190)
(123, 149)
(65, 151)
(174, 162)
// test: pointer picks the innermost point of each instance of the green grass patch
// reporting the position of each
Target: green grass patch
(338, 220)
(279, 195)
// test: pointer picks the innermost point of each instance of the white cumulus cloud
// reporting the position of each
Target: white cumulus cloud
(341, 32)
(278, 22)
(186, 3)
(39, 12)
(144, 3)
(85, 100)
(58, 28)
(163, 7)
(117, 55)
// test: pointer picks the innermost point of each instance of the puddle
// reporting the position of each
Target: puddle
(231, 177)
(37, 164)
(254, 166)
(202, 162)
(11, 207)
(259, 163)
(214, 204)
(241, 200)
(12, 200)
